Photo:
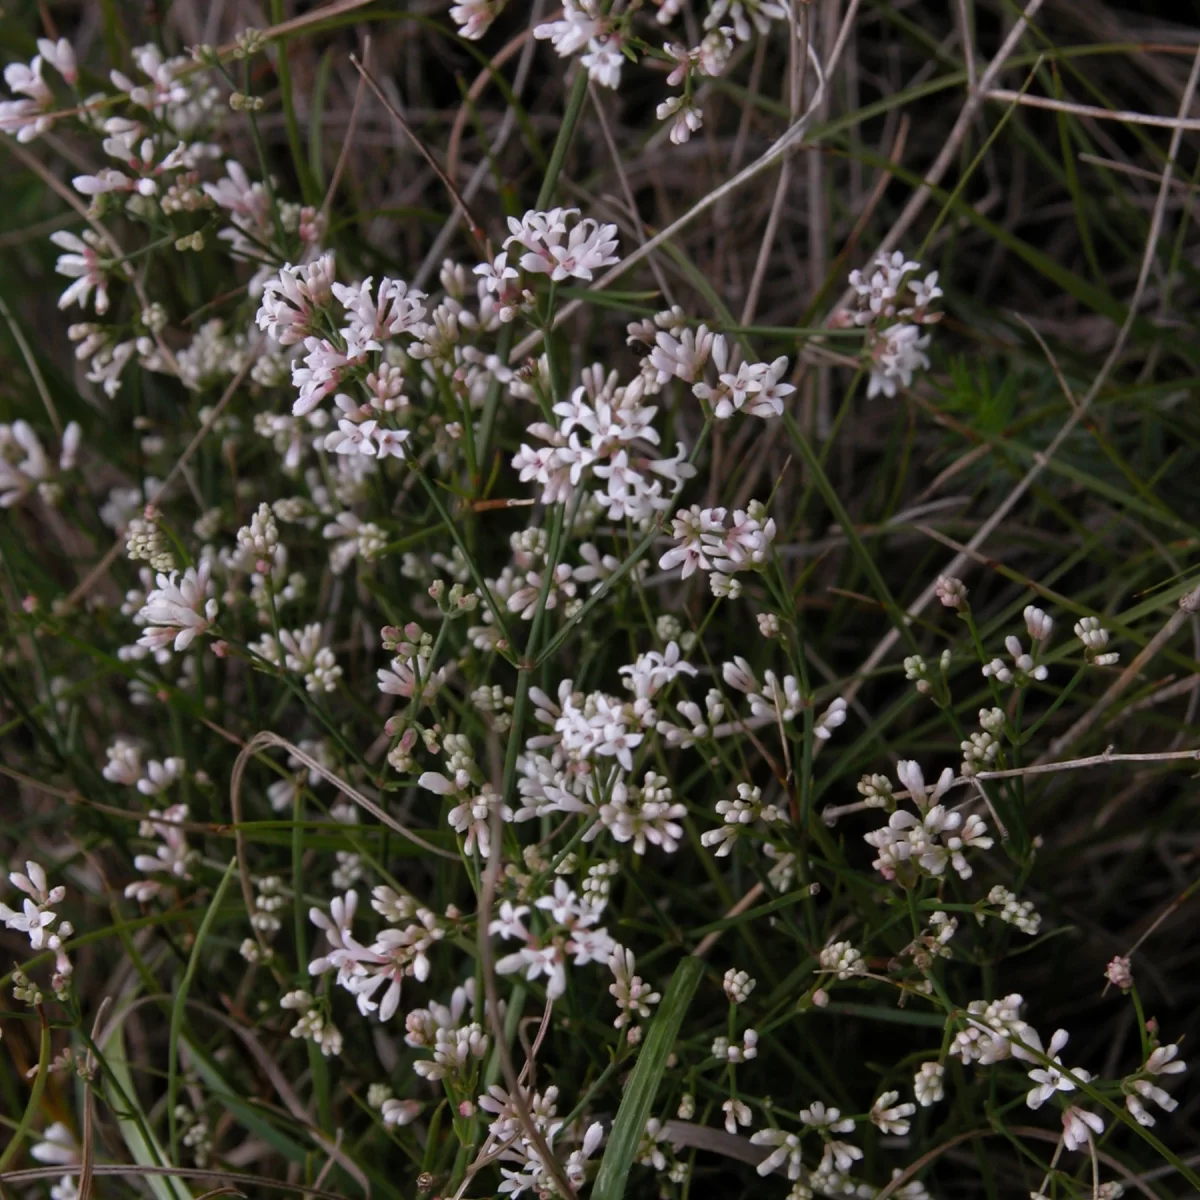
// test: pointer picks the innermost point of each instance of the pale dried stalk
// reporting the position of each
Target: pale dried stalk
(1004, 96)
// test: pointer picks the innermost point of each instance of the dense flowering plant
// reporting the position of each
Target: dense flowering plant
(475, 782)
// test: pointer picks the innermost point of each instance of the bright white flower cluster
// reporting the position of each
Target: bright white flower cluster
(910, 845)
(739, 815)
(606, 432)
(28, 117)
(37, 920)
(678, 351)
(713, 540)
(373, 973)
(633, 995)
(1024, 669)
(302, 652)
(842, 959)
(178, 610)
(558, 243)
(738, 985)
(569, 933)
(893, 306)
(723, 1050)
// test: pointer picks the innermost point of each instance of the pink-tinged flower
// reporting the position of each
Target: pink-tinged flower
(474, 17)
(373, 318)
(237, 195)
(390, 442)
(1078, 1127)
(319, 375)
(291, 299)
(1164, 1060)
(26, 118)
(587, 247)
(535, 962)
(81, 263)
(579, 23)
(179, 609)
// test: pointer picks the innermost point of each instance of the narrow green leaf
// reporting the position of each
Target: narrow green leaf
(35, 1098)
(142, 1145)
(181, 1000)
(643, 1083)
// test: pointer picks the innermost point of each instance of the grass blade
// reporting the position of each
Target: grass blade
(181, 1000)
(643, 1083)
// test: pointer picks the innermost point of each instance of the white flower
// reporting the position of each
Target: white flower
(395, 1113)
(178, 609)
(292, 298)
(474, 17)
(81, 263)
(1051, 1079)
(842, 958)
(786, 1150)
(57, 1146)
(578, 25)
(889, 1116)
(687, 118)
(1164, 1060)
(833, 717)
(557, 245)
(633, 996)
(1078, 1127)
(736, 1113)
(911, 776)
(604, 61)
(1037, 623)
(817, 1116)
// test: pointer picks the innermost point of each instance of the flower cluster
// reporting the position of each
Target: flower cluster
(44, 928)
(931, 840)
(720, 543)
(893, 306)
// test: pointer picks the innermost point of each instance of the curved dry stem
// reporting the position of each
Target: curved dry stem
(265, 739)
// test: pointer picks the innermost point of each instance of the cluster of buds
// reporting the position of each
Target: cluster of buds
(981, 749)
(1019, 913)
(455, 601)
(312, 1025)
(917, 671)
(1094, 637)
(411, 672)
(146, 542)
